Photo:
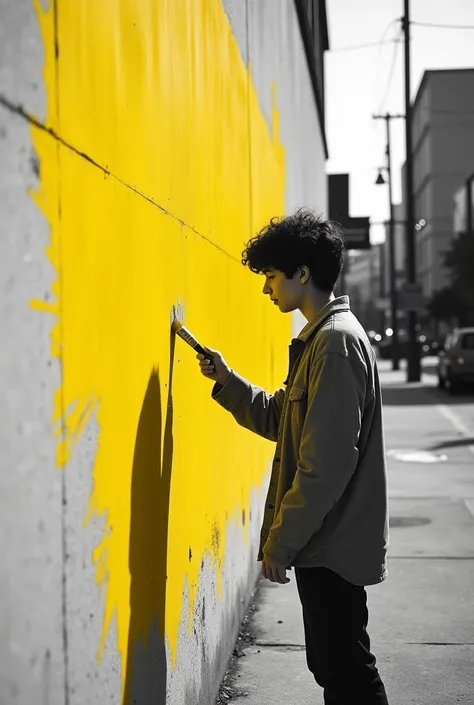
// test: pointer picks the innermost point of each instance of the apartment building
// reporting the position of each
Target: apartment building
(443, 155)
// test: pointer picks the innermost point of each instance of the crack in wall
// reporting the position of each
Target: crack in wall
(21, 112)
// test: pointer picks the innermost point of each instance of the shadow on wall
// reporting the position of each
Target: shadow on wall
(145, 678)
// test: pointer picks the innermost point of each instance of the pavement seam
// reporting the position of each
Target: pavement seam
(440, 643)
(432, 558)
(278, 645)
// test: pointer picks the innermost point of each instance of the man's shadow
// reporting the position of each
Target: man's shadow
(145, 678)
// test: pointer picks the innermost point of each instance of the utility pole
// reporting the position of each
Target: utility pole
(382, 291)
(391, 244)
(414, 365)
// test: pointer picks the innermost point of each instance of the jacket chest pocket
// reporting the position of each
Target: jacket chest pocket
(297, 406)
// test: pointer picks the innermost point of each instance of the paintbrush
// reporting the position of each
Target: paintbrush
(178, 328)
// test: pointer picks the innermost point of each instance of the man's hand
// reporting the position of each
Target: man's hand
(214, 366)
(273, 571)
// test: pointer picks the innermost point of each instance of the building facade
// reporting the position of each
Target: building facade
(363, 284)
(443, 154)
(142, 143)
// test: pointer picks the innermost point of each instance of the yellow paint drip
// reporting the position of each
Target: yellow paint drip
(157, 95)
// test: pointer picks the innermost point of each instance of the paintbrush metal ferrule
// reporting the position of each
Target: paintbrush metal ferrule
(178, 328)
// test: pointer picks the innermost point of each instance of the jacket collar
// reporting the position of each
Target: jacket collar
(341, 303)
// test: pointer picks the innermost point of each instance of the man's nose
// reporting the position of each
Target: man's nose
(266, 289)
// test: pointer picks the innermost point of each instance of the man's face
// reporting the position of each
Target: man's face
(285, 293)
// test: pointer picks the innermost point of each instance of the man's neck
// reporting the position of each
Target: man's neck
(314, 302)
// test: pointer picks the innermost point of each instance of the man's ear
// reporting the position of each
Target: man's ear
(305, 274)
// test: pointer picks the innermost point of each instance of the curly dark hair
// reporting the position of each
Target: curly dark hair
(296, 240)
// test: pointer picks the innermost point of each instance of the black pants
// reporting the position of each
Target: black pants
(338, 653)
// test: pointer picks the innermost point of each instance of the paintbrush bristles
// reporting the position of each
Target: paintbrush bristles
(176, 315)
(176, 326)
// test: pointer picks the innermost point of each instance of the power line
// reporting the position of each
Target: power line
(382, 41)
(353, 47)
(443, 26)
(391, 73)
(379, 53)
(389, 27)
(379, 44)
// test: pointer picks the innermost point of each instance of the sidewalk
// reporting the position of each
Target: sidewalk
(422, 616)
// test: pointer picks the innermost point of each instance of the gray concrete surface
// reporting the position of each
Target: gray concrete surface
(22, 56)
(32, 657)
(422, 616)
(85, 600)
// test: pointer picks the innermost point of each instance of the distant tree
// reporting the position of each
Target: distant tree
(446, 305)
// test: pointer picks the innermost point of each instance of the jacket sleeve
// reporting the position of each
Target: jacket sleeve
(328, 453)
(251, 406)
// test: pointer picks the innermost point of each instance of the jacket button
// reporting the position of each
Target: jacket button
(270, 506)
(277, 460)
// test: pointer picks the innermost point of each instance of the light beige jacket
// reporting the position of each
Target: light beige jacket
(327, 498)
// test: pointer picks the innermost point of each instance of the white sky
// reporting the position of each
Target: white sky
(356, 83)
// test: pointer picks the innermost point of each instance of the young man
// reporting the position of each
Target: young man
(326, 508)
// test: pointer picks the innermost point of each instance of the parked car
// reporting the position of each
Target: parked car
(456, 360)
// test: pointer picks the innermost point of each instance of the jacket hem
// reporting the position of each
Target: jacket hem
(356, 579)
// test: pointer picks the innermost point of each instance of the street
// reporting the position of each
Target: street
(422, 617)
(463, 403)
(457, 410)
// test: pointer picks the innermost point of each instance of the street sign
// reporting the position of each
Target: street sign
(356, 230)
(411, 297)
(357, 238)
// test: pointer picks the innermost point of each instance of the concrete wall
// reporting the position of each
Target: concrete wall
(139, 153)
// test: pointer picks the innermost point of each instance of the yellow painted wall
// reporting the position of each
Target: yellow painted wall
(158, 168)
